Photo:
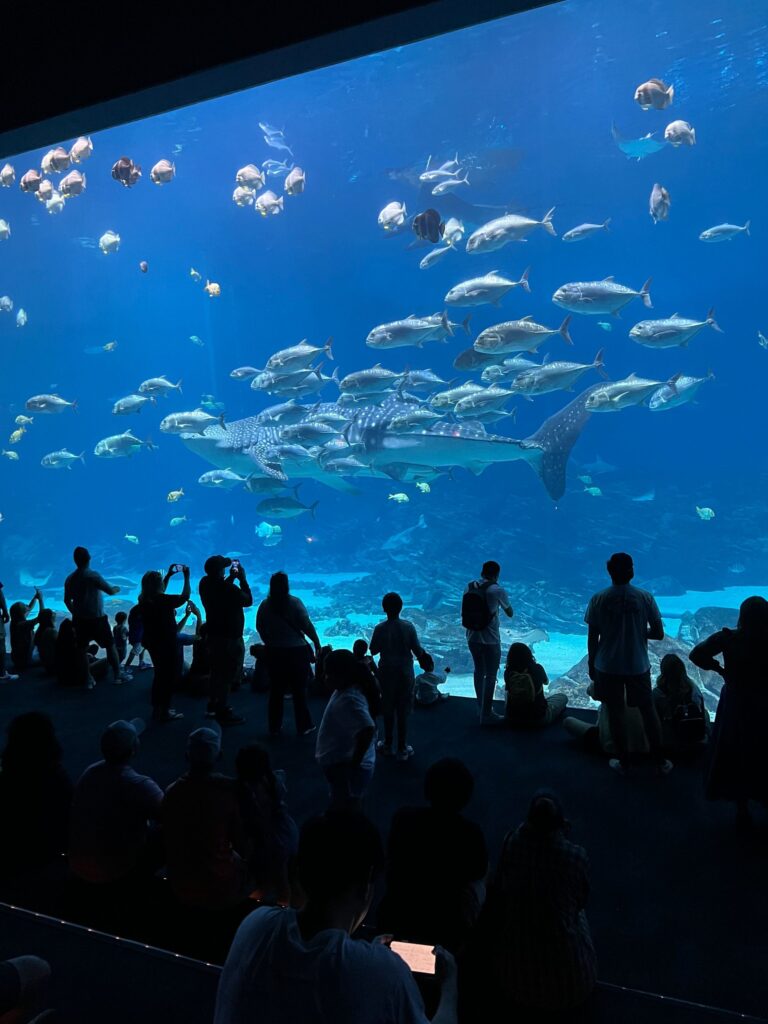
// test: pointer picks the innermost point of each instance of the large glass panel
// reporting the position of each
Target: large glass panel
(530, 140)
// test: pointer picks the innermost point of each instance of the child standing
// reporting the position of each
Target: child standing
(135, 636)
(120, 633)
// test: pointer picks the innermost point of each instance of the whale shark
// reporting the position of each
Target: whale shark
(247, 446)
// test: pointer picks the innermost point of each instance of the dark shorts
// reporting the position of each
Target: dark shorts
(636, 690)
(97, 631)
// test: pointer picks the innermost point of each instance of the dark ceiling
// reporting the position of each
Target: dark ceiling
(70, 67)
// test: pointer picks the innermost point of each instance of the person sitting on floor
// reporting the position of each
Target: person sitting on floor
(596, 738)
(524, 681)
(45, 640)
(288, 966)
(436, 863)
(685, 722)
(273, 835)
(35, 795)
(533, 948)
(426, 693)
(346, 748)
(203, 829)
(112, 807)
(22, 630)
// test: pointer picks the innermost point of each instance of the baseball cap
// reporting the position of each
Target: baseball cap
(216, 562)
(119, 739)
(204, 746)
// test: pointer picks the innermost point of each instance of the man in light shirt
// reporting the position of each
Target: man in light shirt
(622, 619)
(485, 642)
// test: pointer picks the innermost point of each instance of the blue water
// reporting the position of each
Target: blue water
(527, 103)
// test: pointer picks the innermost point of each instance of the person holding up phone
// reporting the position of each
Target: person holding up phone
(158, 614)
(224, 598)
(304, 965)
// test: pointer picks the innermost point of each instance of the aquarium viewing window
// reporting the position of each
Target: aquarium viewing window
(493, 294)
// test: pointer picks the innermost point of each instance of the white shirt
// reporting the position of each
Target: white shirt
(345, 715)
(496, 597)
(272, 975)
(622, 615)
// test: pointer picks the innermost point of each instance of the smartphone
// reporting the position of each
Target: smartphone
(235, 565)
(178, 567)
(419, 958)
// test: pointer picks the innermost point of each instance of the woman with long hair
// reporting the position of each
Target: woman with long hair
(679, 704)
(738, 770)
(284, 626)
(158, 613)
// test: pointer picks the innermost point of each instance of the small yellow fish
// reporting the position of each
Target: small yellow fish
(17, 435)
(195, 274)
(110, 346)
(13, 456)
(400, 498)
(423, 487)
(176, 495)
(595, 492)
(178, 520)
(23, 421)
(131, 538)
(213, 289)
(705, 513)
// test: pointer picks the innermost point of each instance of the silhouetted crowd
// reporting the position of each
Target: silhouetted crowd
(476, 931)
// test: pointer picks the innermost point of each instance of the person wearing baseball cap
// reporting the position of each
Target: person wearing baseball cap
(224, 598)
(203, 829)
(112, 807)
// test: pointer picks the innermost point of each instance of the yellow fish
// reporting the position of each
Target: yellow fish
(213, 289)
(23, 421)
(175, 495)
(131, 538)
(178, 520)
(424, 487)
(195, 274)
(400, 498)
(17, 435)
(13, 456)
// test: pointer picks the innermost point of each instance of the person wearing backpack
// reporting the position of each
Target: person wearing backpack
(480, 617)
(524, 680)
(685, 723)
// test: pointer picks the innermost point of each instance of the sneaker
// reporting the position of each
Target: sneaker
(618, 767)
(384, 748)
(8, 678)
(91, 684)
(228, 717)
(126, 675)
(171, 715)
(210, 711)
(665, 767)
(406, 754)
(310, 730)
(492, 719)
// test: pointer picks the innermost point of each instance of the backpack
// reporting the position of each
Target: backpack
(475, 610)
(688, 723)
(521, 693)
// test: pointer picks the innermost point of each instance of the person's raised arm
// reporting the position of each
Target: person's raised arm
(246, 596)
(446, 973)
(703, 654)
(186, 589)
(192, 609)
(655, 625)
(107, 588)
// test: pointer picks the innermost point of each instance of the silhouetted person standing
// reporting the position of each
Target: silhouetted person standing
(739, 767)
(158, 614)
(622, 619)
(283, 623)
(83, 596)
(224, 598)
(480, 617)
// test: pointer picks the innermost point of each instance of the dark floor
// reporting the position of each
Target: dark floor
(678, 901)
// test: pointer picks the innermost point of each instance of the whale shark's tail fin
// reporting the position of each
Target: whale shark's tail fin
(554, 440)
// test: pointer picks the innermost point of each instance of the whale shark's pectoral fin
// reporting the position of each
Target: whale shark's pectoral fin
(266, 468)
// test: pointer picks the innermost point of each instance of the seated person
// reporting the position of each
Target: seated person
(596, 738)
(304, 966)
(199, 672)
(524, 681)
(45, 640)
(205, 840)
(186, 639)
(112, 807)
(685, 722)
(436, 863)
(23, 989)
(426, 693)
(533, 947)
(22, 631)
(360, 651)
(68, 658)
(35, 795)
(272, 834)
